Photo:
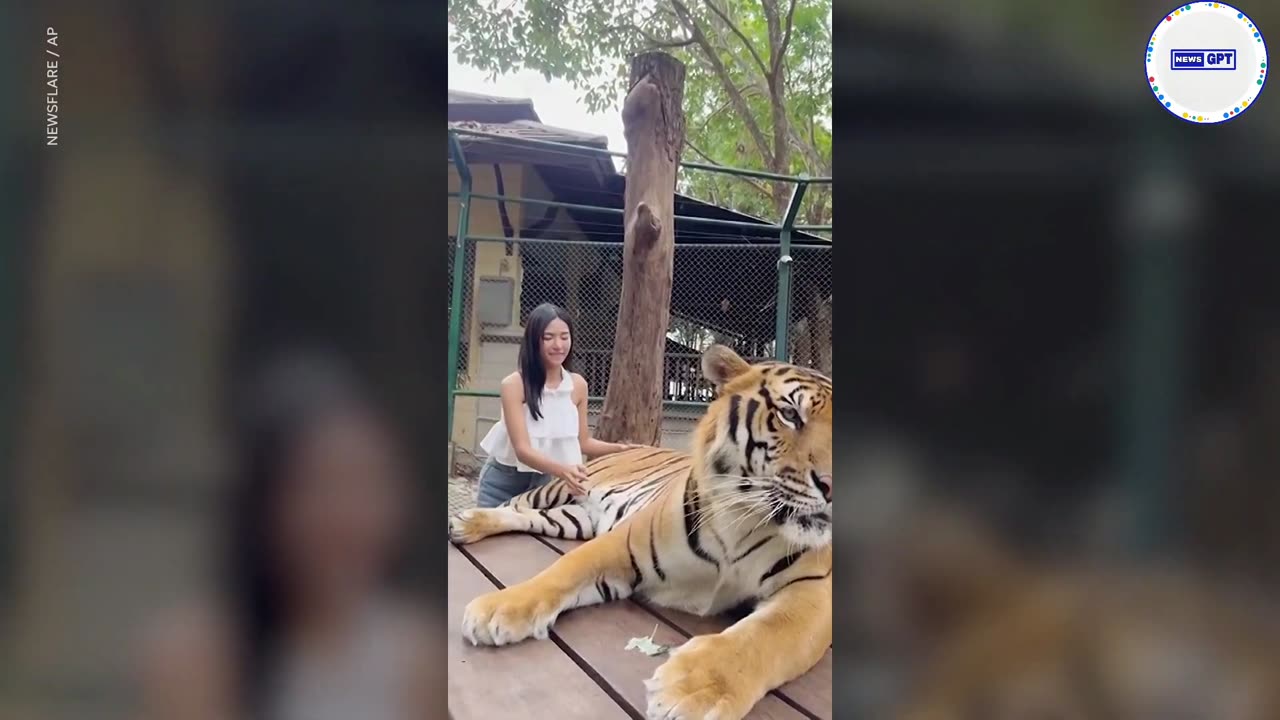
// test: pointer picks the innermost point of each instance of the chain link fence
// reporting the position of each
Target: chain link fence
(721, 293)
(811, 293)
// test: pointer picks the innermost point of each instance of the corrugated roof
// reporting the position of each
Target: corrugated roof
(532, 130)
(486, 149)
(464, 97)
(489, 108)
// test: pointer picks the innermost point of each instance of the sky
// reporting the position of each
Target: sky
(556, 102)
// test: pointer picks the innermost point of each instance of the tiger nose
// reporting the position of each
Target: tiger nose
(824, 484)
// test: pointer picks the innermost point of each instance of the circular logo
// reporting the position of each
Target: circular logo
(1206, 62)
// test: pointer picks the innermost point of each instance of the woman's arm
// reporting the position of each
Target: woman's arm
(513, 415)
(591, 447)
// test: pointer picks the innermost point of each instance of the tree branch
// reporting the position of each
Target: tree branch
(786, 37)
(745, 42)
(819, 206)
(735, 97)
(760, 188)
(714, 113)
(809, 150)
(652, 41)
(777, 103)
(656, 43)
(703, 155)
(757, 77)
(771, 20)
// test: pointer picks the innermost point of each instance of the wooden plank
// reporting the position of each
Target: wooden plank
(536, 676)
(599, 634)
(563, 546)
(812, 691)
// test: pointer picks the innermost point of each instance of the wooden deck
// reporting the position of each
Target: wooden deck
(584, 671)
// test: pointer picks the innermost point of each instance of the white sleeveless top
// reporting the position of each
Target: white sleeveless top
(554, 436)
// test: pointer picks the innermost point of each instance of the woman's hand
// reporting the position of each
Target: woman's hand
(623, 446)
(576, 476)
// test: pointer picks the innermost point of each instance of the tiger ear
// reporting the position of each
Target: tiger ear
(721, 365)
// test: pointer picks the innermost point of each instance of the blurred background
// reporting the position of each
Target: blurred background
(234, 180)
(1062, 319)
(1074, 286)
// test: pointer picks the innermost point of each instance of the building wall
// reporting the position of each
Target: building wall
(491, 260)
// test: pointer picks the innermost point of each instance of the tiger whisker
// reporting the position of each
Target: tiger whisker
(723, 505)
(742, 517)
(756, 502)
(723, 510)
(765, 503)
(777, 508)
(737, 496)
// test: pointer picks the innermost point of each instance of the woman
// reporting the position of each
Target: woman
(305, 626)
(543, 432)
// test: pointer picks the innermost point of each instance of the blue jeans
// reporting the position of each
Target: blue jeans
(499, 483)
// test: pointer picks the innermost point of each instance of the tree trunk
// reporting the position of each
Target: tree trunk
(822, 340)
(801, 343)
(653, 122)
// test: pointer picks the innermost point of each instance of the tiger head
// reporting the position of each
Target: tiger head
(766, 443)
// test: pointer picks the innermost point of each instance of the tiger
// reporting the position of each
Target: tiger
(741, 523)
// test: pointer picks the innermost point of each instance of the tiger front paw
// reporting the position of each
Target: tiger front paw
(508, 616)
(473, 525)
(702, 680)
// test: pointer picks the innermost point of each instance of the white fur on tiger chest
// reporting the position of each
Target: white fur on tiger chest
(687, 581)
(697, 586)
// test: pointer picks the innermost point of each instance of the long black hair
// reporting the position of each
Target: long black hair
(286, 402)
(532, 373)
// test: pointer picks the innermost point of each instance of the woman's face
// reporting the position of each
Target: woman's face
(341, 511)
(555, 343)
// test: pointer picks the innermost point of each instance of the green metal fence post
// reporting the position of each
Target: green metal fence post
(459, 272)
(781, 328)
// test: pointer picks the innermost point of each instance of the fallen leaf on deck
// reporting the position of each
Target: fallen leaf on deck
(646, 645)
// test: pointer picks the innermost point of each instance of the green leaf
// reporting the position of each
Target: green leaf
(646, 645)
